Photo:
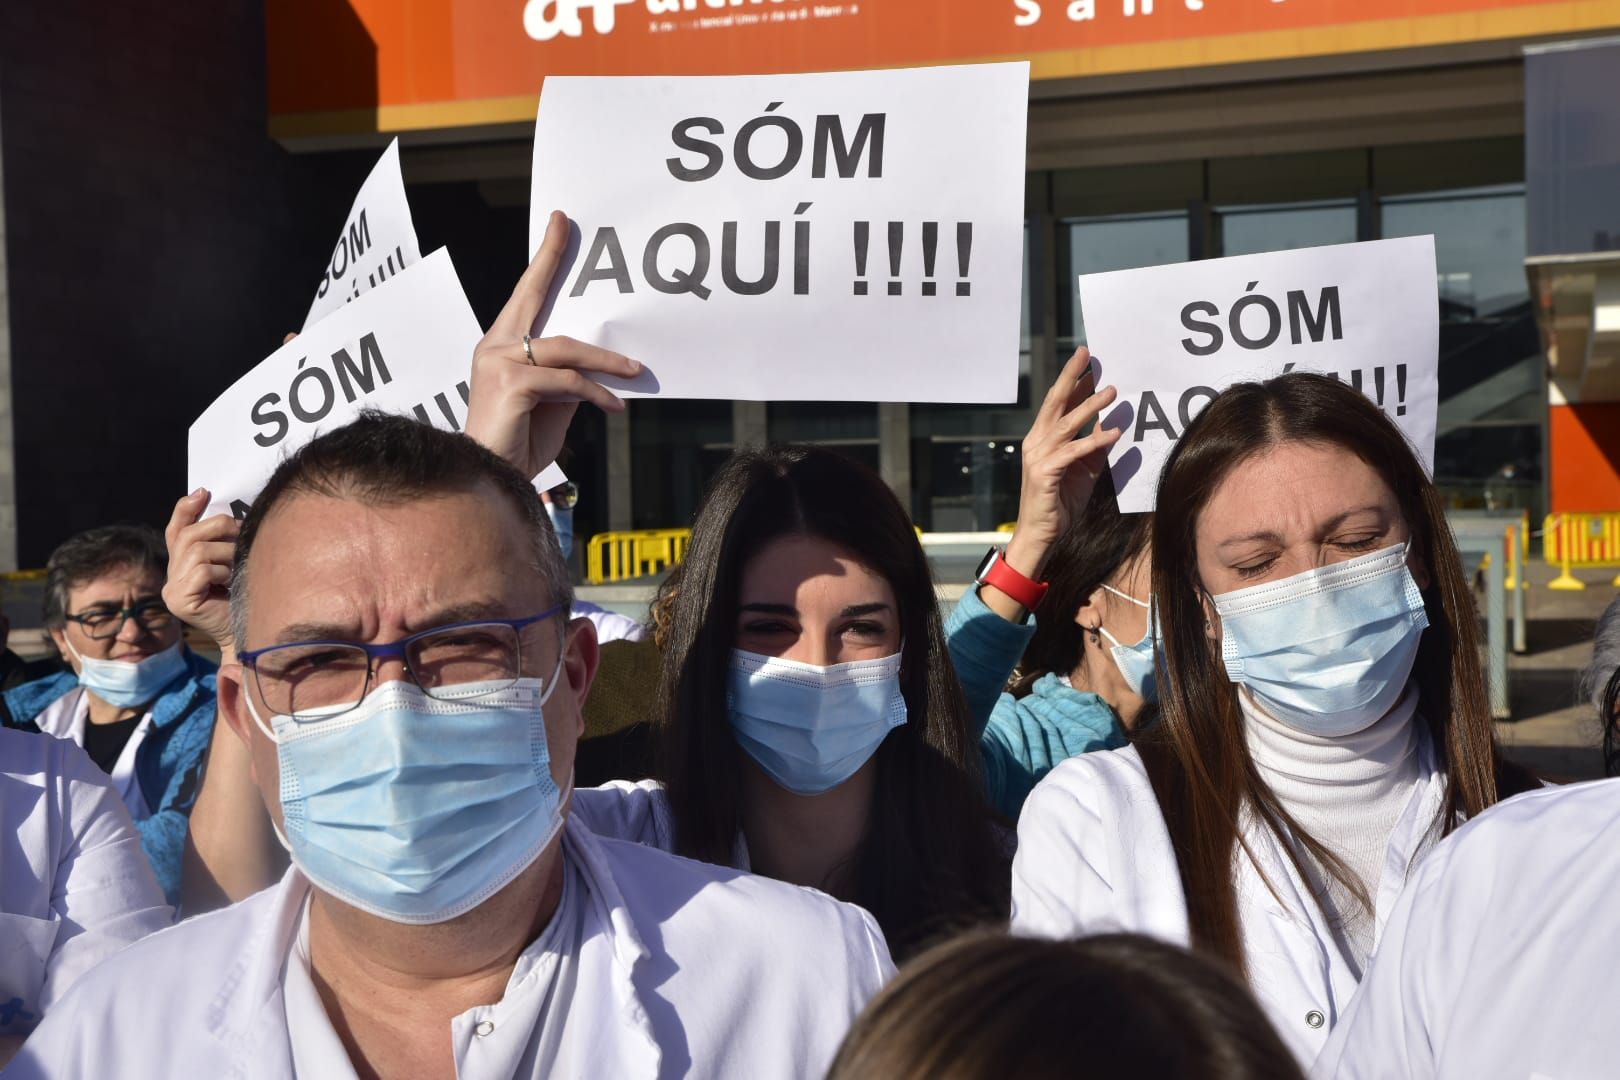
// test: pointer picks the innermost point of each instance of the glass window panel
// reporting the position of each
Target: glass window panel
(1251, 230)
(971, 484)
(1495, 466)
(676, 448)
(1103, 244)
(1478, 247)
(821, 421)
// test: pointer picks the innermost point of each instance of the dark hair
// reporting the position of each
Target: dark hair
(930, 860)
(384, 459)
(92, 553)
(1088, 553)
(1600, 683)
(1117, 1005)
(1197, 756)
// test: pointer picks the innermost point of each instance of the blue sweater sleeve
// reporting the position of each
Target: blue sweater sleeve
(1020, 741)
(1029, 737)
(984, 648)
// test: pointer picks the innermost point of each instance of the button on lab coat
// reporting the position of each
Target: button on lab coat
(1500, 959)
(1094, 857)
(685, 970)
(75, 887)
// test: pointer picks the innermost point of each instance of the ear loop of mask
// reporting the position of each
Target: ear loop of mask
(1103, 630)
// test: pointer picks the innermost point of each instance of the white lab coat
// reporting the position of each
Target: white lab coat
(610, 625)
(1499, 961)
(66, 717)
(685, 970)
(1094, 857)
(638, 811)
(75, 887)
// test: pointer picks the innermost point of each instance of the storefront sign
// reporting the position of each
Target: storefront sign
(386, 66)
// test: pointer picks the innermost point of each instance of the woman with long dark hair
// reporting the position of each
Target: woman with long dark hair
(1084, 659)
(812, 727)
(1324, 715)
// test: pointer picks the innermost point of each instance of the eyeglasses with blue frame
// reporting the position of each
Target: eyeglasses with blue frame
(321, 680)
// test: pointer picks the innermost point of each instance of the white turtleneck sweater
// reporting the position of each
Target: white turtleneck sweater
(1348, 793)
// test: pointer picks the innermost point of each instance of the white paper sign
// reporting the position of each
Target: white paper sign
(1170, 337)
(407, 349)
(376, 242)
(851, 237)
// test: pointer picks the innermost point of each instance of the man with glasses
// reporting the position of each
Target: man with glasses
(409, 684)
(137, 700)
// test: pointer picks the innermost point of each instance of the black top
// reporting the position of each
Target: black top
(104, 742)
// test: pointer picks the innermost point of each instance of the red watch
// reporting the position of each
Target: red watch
(995, 572)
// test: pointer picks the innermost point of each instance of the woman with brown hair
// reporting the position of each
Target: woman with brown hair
(1324, 717)
(986, 1006)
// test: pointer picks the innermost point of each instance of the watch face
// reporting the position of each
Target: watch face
(985, 563)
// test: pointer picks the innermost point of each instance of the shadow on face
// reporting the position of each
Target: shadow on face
(807, 599)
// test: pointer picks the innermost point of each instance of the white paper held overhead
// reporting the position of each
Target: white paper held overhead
(405, 349)
(854, 236)
(377, 241)
(1170, 337)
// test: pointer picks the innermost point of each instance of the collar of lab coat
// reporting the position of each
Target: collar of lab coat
(248, 1015)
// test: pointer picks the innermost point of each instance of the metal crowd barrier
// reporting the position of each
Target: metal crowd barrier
(1580, 540)
(1495, 544)
(620, 556)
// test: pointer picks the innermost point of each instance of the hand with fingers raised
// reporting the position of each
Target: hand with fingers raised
(1059, 469)
(525, 388)
(200, 555)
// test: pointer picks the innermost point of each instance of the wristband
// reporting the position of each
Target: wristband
(995, 572)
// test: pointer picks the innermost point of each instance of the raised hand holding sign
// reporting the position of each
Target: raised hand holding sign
(525, 389)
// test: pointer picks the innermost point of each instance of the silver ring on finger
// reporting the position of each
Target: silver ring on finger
(528, 350)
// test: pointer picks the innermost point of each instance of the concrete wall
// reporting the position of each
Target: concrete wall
(158, 244)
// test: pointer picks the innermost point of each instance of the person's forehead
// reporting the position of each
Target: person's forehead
(805, 569)
(323, 557)
(1294, 485)
(116, 582)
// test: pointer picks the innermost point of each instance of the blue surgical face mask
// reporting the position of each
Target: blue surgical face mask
(126, 684)
(810, 728)
(562, 523)
(418, 809)
(1136, 661)
(1327, 652)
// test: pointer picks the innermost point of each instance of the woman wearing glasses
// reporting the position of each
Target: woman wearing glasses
(139, 702)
